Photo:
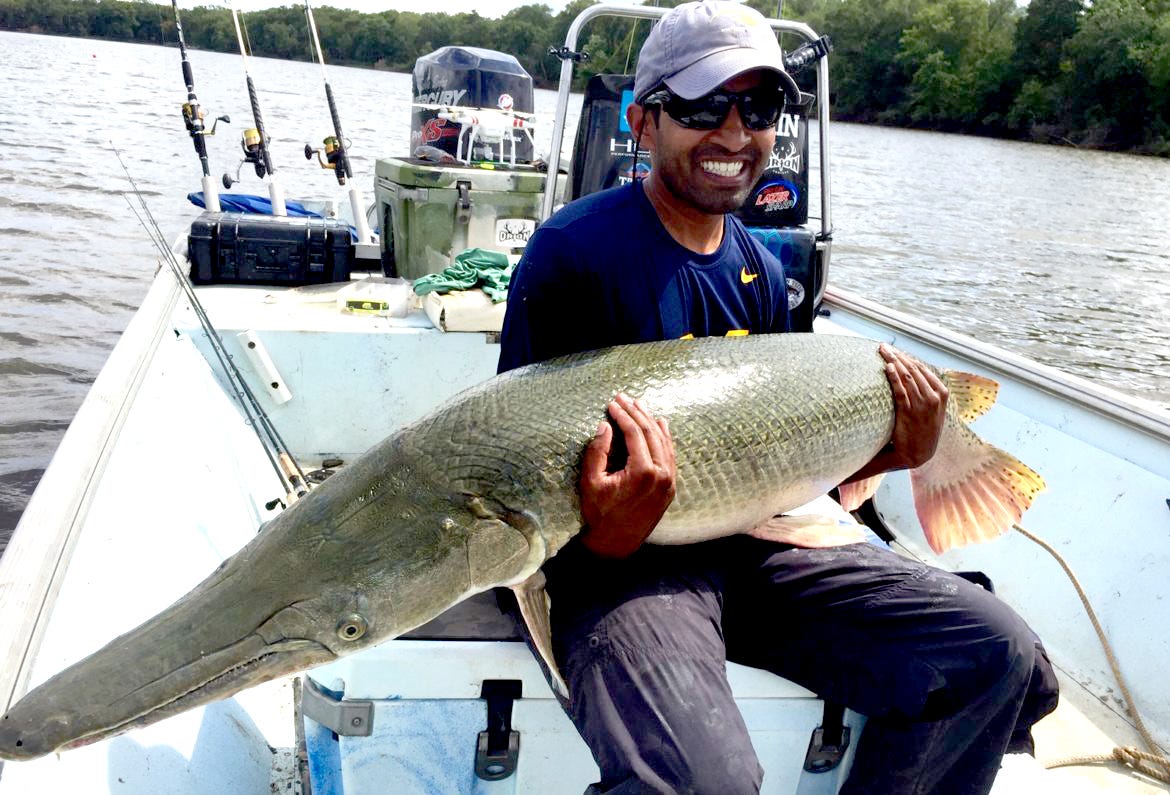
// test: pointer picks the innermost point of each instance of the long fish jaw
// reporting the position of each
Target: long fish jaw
(307, 590)
(55, 718)
(236, 629)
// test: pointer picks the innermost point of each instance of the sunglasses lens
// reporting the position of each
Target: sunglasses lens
(704, 113)
(762, 110)
(758, 110)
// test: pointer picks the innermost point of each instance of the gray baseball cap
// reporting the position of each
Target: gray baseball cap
(697, 47)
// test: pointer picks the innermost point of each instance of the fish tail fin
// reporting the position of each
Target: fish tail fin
(971, 395)
(852, 495)
(970, 491)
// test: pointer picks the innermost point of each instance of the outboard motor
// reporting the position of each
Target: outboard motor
(471, 77)
(468, 180)
(775, 212)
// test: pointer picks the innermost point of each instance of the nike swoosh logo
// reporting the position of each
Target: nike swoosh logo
(745, 277)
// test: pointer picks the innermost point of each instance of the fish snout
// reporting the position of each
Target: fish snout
(22, 740)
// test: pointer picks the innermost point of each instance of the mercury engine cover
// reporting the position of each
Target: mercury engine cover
(471, 77)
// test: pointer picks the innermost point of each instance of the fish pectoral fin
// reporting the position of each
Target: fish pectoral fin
(972, 395)
(497, 553)
(535, 609)
(970, 491)
(808, 530)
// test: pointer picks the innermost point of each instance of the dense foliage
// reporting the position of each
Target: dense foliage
(1089, 72)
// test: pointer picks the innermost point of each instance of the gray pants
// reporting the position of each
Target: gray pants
(945, 672)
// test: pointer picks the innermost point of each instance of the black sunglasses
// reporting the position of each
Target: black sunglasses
(759, 107)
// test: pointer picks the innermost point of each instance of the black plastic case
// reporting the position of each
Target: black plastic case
(243, 248)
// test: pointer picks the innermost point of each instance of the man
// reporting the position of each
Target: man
(642, 633)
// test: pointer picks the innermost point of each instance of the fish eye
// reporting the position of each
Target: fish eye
(352, 627)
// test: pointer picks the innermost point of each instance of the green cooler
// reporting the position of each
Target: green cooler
(430, 212)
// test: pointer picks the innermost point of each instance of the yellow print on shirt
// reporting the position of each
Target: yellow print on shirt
(735, 332)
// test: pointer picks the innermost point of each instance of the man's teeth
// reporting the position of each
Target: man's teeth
(723, 169)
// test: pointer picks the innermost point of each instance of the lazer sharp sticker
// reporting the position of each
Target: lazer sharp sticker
(776, 195)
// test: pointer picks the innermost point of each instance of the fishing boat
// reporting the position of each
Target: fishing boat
(226, 398)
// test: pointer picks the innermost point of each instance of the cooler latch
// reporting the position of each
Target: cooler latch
(829, 741)
(463, 203)
(497, 750)
(349, 718)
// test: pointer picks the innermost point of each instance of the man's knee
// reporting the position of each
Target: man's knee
(997, 666)
(1011, 650)
(663, 725)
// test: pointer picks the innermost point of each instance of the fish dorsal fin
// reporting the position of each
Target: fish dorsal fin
(972, 395)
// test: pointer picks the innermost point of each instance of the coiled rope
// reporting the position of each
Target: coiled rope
(1148, 763)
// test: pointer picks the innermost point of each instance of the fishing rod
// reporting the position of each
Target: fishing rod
(335, 146)
(292, 477)
(193, 116)
(255, 140)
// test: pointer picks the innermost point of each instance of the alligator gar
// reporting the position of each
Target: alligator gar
(483, 490)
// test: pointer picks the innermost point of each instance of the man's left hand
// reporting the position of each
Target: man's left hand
(920, 408)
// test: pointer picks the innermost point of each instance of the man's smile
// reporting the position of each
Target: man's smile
(723, 168)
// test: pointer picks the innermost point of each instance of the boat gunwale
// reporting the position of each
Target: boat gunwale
(1131, 411)
(36, 560)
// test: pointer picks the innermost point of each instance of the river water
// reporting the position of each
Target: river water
(1058, 254)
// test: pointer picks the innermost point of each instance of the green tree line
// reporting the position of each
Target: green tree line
(1086, 72)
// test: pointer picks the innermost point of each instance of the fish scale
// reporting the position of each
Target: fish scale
(760, 425)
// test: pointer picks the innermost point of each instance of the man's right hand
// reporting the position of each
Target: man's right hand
(622, 508)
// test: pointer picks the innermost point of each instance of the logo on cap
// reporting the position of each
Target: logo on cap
(744, 15)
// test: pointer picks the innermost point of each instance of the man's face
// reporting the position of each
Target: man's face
(711, 170)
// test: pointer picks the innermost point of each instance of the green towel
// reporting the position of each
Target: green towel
(475, 267)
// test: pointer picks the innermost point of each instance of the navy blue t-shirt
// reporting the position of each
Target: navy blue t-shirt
(604, 271)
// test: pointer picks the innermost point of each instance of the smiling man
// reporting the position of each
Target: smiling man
(948, 675)
(661, 259)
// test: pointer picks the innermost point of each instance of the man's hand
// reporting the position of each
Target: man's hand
(622, 508)
(920, 409)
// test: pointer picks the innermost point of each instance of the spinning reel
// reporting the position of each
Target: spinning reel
(254, 152)
(331, 155)
(193, 116)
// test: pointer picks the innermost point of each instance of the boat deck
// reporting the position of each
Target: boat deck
(122, 525)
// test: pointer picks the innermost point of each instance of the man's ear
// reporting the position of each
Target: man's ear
(641, 124)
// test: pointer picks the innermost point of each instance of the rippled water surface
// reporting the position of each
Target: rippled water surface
(1059, 254)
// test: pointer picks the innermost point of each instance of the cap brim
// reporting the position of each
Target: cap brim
(703, 77)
